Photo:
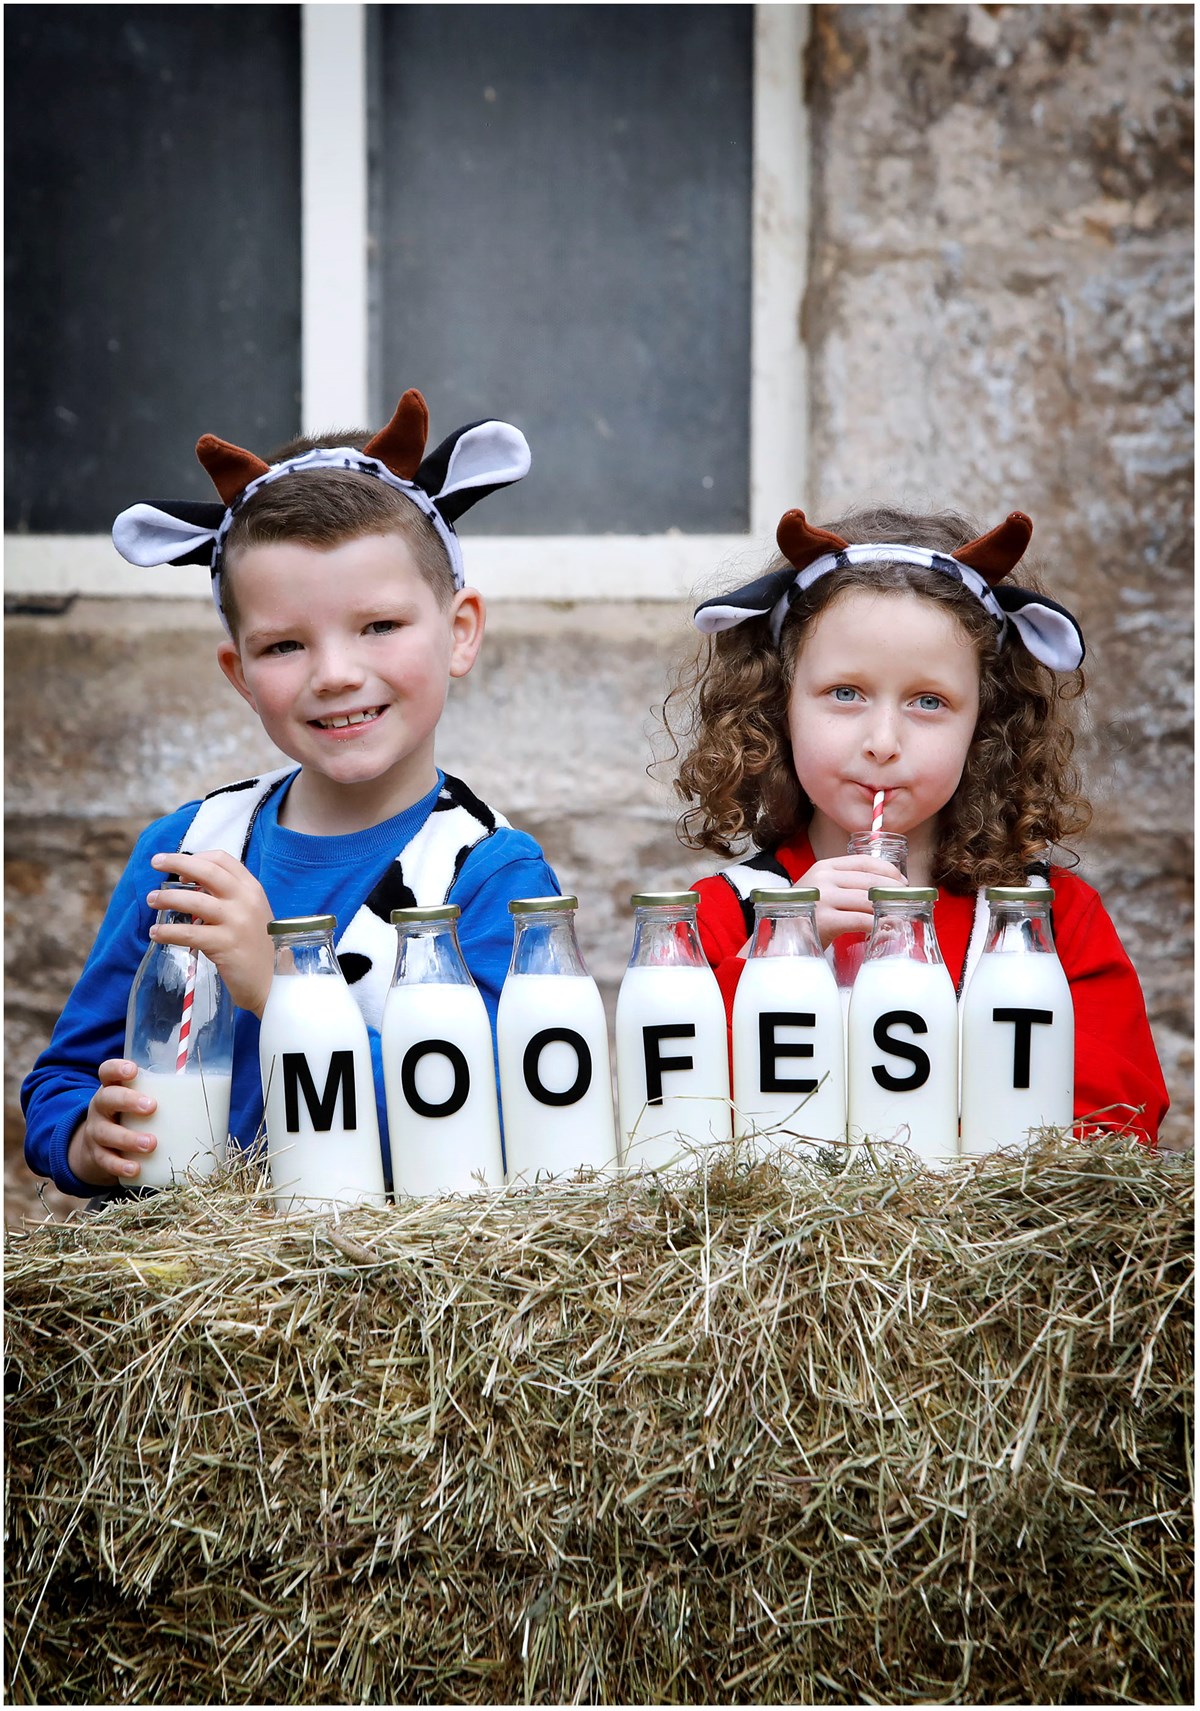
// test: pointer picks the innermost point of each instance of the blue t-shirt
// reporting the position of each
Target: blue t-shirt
(301, 875)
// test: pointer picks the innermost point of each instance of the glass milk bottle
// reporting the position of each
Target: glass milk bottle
(789, 1056)
(179, 1033)
(439, 1070)
(672, 1038)
(903, 1031)
(1018, 1026)
(314, 1055)
(552, 1045)
(848, 949)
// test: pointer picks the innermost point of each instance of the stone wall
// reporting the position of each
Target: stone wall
(999, 316)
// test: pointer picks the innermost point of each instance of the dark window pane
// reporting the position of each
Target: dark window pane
(561, 205)
(152, 264)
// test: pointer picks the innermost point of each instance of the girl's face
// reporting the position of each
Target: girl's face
(885, 697)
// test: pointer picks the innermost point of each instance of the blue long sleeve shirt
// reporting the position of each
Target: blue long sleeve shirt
(301, 875)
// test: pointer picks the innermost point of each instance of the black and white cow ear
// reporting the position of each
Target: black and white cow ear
(168, 532)
(471, 463)
(755, 600)
(1047, 629)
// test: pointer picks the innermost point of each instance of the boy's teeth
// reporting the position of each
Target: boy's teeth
(337, 724)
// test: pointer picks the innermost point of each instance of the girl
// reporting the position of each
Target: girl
(887, 653)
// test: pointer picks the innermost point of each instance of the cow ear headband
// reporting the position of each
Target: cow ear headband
(1048, 630)
(468, 465)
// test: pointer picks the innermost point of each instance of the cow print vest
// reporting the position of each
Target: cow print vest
(420, 877)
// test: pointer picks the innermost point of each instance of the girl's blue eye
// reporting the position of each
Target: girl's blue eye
(930, 703)
(843, 692)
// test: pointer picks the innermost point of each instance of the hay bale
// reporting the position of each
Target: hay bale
(764, 1434)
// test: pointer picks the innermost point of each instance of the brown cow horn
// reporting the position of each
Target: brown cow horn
(800, 543)
(230, 467)
(401, 445)
(993, 555)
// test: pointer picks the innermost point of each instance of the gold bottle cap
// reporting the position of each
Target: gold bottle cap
(541, 905)
(794, 894)
(302, 924)
(443, 912)
(903, 894)
(664, 899)
(1039, 893)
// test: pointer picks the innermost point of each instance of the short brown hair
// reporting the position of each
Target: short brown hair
(326, 507)
(1019, 791)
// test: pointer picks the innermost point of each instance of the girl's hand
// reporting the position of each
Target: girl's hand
(100, 1151)
(231, 914)
(843, 882)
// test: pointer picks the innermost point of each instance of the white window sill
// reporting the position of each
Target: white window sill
(527, 567)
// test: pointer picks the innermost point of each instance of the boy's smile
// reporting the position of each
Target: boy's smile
(346, 724)
(885, 696)
(346, 655)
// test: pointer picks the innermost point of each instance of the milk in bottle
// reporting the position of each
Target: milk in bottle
(438, 1065)
(672, 1039)
(318, 1083)
(789, 1067)
(1018, 1026)
(903, 1031)
(552, 1045)
(179, 1033)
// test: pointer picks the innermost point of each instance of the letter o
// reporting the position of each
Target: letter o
(462, 1078)
(531, 1061)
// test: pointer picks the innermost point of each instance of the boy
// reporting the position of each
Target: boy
(338, 577)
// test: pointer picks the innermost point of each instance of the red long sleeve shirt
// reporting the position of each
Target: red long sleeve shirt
(1116, 1063)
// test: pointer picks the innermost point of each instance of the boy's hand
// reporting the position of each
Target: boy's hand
(843, 882)
(231, 914)
(101, 1152)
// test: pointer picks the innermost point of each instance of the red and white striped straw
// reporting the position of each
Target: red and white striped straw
(185, 1024)
(877, 814)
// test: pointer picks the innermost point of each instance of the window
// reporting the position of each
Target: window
(588, 219)
(152, 249)
(562, 226)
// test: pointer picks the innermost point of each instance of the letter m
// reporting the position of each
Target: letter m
(297, 1079)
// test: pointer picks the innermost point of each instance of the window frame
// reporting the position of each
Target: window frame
(335, 354)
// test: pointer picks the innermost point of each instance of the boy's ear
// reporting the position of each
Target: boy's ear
(230, 661)
(467, 618)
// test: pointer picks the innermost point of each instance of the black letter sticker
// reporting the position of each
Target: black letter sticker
(462, 1078)
(770, 1050)
(297, 1079)
(901, 1048)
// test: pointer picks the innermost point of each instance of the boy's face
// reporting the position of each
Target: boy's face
(346, 654)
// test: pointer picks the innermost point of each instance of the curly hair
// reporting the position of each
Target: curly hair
(1019, 792)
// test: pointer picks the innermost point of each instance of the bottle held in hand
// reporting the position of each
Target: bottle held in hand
(849, 949)
(179, 1034)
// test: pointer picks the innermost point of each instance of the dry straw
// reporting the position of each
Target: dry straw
(763, 1434)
